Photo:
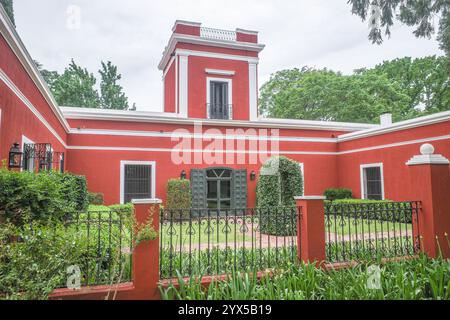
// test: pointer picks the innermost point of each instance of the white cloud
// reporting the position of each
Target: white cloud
(133, 33)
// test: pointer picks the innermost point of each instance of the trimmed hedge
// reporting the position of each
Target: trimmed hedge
(383, 210)
(179, 195)
(279, 182)
(334, 194)
(41, 197)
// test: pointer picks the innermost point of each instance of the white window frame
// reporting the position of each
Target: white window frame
(371, 165)
(26, 140)
(122, 176)
(302, 170)
(230, 93)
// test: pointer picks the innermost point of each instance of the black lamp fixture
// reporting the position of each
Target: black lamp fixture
(253, 176)
(15, 156)
(183, 175)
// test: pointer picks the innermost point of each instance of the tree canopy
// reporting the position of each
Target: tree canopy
(76, 87)
(405, 87)
(8, 6)
(112, 96)
(419, 14)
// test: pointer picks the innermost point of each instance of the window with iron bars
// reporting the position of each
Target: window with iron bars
(41, 157)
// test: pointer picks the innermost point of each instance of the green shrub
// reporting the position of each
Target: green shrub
(280, 181)
(96, 198)
(179, 195)
(41, 197)
(334, 194)
(385, 210)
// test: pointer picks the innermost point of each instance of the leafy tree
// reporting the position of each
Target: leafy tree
(49, 76)
(425, 80)
(415, 13)
(330, 96)
(8, 6)
(112, 96)
(76, 88)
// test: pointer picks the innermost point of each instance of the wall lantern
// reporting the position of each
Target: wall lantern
(15, 156)
(253, 176)
(183, 175)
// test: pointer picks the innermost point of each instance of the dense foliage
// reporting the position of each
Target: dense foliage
(76, 87)
(334, 194)
(279, 182)
(405, 280)
(40, 197)
(405, 87)
(420, 14)
(179, 196)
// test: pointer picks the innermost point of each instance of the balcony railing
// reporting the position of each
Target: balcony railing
(220, 111)
(217, 34)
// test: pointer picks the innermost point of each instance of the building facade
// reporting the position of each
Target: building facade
(209, 132)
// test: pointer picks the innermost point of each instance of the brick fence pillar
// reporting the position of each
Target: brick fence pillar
(146, 254)
(430, 180)
(311, 229)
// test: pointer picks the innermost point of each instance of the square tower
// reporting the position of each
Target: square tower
(211, 73)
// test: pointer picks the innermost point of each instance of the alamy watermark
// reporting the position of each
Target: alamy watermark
(73, 17)
(74, 277)
(374, 279)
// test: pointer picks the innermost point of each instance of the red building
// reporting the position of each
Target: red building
(210, 129)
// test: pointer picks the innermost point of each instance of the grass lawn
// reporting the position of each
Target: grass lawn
(196, 233)
(353, 226)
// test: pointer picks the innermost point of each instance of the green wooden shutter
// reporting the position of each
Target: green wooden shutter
(240, 189)
(198, 185)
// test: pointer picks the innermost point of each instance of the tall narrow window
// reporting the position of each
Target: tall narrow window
(137, 181)
(372, 184)
(219, 100)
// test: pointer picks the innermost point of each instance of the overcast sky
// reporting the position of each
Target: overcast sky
(133, 33)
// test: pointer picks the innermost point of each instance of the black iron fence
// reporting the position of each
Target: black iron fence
(357, 231)
(100, 245)
(214, 242)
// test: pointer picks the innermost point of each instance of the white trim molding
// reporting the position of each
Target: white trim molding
(253, 90)
(398, 126)
(26, 140)
(220, 72)
(310, 198)
(177, 38)
(183, 86)
(363, 187)
(122, 176)
(230, 94)
(146, 201)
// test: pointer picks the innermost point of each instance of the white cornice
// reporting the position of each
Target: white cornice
(186, 23)
(408, 124)
(153, 117)
(10, 34)
(205, 136)
(176, 38)
(428, 159)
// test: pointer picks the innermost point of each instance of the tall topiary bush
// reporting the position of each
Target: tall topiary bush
(179, 197)
(279, 182)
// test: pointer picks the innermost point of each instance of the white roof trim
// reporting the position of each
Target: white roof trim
(403, 125)
(176, 38)
(155, 117)
(12, 38)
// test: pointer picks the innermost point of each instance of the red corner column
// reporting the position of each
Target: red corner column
(430, 178)
(311, 229)
(146, 254)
